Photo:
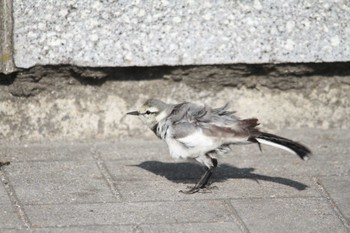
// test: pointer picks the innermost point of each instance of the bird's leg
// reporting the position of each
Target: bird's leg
(203, 181)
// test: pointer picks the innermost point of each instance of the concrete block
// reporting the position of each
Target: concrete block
(59, 182)
(131, 170)
(138, 33)
(8, 218)
(71, 195)
(6, 37)
(224, 189)
(128, 213)
(339, 190)
(46, 152)
(4, 199)
(138, 150)
(191, 227)
(162, 179)
(288, 215)
(88, 229)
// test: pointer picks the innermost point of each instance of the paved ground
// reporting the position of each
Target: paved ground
(133, 186)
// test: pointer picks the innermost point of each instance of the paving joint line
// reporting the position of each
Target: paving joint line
(132, 225)
(15, 202)
(236, 218)
(106, 174)
(331, 202)
(137, 228)
(135, 202)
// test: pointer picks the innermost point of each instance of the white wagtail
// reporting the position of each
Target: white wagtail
(201, 133)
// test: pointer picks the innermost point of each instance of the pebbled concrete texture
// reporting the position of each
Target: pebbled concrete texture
(6, 41)
(4, 199)
(293, 215)
(340, 191)
(133, 186)
(58, 180)
(138, 33)
(8, 218)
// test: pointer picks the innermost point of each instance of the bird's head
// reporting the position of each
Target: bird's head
(152, 112)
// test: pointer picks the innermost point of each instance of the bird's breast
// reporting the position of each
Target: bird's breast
(191, 146)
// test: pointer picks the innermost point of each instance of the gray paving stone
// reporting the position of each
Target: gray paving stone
(231, 188)
(128, 213)
(14, 230)
(4, 199)
(88, 229)
(142, 180)
(61, 188)
(175, 171)
(59, 182)
(339, 190)
(288, 215)
(191, 227)
(130, 170)
(133, 150)
(47, 152)
(153, 170)
(8, 218)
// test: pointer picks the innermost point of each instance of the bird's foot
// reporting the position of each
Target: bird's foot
(196, 189)
(190, 190)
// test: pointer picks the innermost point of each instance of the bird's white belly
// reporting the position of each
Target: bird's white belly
(191, 146)
(177, 150)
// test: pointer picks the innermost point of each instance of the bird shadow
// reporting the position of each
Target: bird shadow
(188, 172)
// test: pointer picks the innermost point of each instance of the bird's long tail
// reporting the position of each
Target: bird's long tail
(283, 143)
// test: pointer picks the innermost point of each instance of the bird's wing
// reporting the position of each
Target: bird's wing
(189, 118)
(182, 124)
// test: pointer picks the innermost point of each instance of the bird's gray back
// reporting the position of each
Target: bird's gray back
(186, 118)
(193, 113)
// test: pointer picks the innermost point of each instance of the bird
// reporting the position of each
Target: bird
(200, 133)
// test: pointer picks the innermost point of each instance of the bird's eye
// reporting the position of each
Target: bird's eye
(148, 112)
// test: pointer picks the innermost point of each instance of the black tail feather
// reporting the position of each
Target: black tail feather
(302, 151)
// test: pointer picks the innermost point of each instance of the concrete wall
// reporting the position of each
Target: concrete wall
(55, 95)
(6, 42)
(70, 103)
(150, 33)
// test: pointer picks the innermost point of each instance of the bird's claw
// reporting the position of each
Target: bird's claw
(195, 189)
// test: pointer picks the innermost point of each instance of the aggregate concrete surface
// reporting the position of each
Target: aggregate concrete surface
(133, 186)
(151, 33)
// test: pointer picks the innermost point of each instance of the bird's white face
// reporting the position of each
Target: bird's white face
(150, 115)
(152, 112)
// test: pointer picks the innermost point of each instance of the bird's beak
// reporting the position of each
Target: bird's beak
(135, 113)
